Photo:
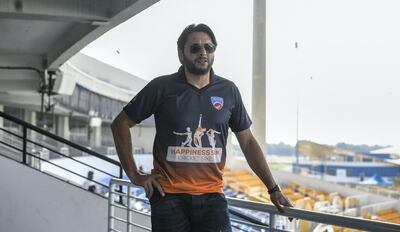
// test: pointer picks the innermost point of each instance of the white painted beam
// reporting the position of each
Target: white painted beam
(15, 99)
(83, 34)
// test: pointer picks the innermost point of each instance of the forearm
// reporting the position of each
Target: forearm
(257, 162)
(123, 144)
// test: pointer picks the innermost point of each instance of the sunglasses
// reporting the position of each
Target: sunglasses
(209, 47)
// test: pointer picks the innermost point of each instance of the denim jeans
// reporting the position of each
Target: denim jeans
(189, 213)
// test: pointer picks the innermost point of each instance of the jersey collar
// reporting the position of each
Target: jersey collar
(181, 73)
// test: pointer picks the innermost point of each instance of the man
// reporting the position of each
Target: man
(185, 186)
(88, 183)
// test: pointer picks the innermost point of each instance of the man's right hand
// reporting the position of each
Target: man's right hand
(149, 182)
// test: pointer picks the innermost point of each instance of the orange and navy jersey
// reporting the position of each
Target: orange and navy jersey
(191, 129)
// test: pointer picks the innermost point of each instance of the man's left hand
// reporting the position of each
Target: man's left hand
(279, 200)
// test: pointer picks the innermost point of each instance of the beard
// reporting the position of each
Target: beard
(192, 68)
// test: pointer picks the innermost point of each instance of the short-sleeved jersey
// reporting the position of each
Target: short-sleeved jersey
(191, 129)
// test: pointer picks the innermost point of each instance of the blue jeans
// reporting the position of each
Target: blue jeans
(189, 213)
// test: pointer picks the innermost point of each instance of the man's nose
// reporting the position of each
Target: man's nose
(203, 51)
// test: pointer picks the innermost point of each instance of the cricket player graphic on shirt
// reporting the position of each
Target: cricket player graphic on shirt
(211, 136)
(198, 134)
(188, 134)
(197, 154)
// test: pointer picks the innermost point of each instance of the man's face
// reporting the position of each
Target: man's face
(198, 53)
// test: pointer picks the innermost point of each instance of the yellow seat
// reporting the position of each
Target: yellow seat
(390, 216)
(385, 211)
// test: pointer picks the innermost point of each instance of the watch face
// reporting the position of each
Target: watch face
(276, 188)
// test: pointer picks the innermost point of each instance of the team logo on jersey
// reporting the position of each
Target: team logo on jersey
(217, 102)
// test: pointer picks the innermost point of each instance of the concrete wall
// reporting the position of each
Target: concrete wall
(35, 202)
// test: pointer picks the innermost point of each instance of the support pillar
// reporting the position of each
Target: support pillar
(258, 86)
(259, 72)
(31, 117)
(95, 130)
(96, 136)
(63, 127)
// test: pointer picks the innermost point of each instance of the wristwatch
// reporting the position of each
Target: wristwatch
(276, 188)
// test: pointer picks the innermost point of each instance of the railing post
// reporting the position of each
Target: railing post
(120, 172)
(120, 187)
(271, 222)
(24, 144)
(128, 211)
(110, 208)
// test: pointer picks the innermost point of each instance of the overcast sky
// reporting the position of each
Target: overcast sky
(344, 73)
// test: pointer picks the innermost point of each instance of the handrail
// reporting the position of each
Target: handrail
(318, 217)
(78, 161)
(60, 167)
(50, 149)
(12, 146)
(25, 139)
(58, 138)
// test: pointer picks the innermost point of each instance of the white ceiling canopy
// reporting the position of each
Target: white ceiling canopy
(37, 36)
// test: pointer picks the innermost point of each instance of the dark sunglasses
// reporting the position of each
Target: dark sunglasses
(209, 47)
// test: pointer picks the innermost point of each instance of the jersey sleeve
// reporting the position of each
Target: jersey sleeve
(239, 120)
(144, 104)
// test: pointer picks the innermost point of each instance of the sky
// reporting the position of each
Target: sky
(343, 75)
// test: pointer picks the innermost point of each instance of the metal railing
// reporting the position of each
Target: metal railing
(127, 209)
(115, 198)
(21, 147)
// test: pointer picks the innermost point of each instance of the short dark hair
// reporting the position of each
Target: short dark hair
(195, 28)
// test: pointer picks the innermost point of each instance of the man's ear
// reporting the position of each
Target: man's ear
(180, 55)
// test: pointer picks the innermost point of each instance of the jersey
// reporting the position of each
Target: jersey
(191, 129)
